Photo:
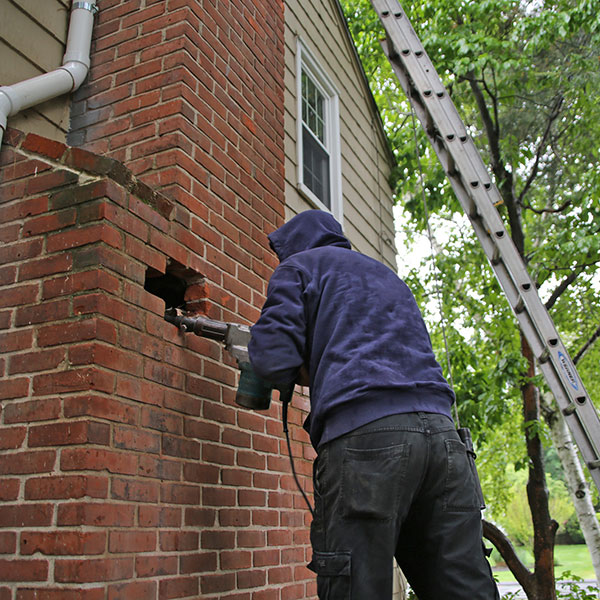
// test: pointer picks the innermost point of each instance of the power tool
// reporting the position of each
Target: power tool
(253, 391)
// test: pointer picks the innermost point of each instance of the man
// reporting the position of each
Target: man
(392, 477)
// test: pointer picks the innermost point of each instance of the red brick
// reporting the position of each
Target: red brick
(16, 211)
(173, 541)
(83, 236)
(135, 491)
(16, 340)
(218, 454)
(180, 447)
(74, 380)
(94, 459)
(179, 587)
(69, 433)
(34, 410)
(199, 473)
(28, 462)
(76, 331)
(78, 282)
(41, 145)
(50, 222)
(38, 360)
(251, 579)
(161, 420)
(105, 356)
(131, 541)
(19, 295)
(266, 558)
(138, 590)
(155, 516)
(155, 566)
(43, 313)
(236, 477)
(13, 388)
(265, 518)
(251, 539)
(29, 515)
(217, 582)
(60, 594)
(95, 514)
(12, 437)
(203, 562)
(92, 570)
(8, 542)
(65, 487)
(129, 438)
(63, 543)
(9, 489)
(173, 493)
(234, 517)
(100, 406)
(158, 468)
(23, 570)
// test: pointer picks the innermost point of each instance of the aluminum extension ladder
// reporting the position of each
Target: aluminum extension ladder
(479, 196)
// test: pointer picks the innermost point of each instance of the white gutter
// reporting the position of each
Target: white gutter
(64, 79)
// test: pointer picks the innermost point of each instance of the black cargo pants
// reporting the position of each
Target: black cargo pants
(401, 486)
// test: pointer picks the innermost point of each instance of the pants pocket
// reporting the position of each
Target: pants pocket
(370, 481)
(461, 489)
(334, 570)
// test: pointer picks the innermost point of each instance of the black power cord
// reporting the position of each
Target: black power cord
(286, 397)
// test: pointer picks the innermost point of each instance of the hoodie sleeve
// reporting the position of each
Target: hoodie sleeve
(278, 340)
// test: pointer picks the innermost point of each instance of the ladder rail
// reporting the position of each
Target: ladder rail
(479, 196)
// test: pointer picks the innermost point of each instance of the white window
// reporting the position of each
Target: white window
(319, 164)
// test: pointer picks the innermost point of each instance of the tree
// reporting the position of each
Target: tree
(525, 76)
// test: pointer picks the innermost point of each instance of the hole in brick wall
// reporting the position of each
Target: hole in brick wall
(167, 286)
(178, 286)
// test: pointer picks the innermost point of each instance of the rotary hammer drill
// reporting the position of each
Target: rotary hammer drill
(253, 391)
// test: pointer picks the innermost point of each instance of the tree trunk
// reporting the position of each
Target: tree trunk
(544, 527)
(579, 488)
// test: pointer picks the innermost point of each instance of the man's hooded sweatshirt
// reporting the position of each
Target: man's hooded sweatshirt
(353, 323)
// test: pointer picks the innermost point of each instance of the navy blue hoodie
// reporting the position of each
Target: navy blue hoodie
(353, 323)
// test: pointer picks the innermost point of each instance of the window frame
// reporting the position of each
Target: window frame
(306, 62)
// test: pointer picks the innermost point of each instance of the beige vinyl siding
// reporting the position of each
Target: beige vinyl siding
(33, 36)
(365, 162)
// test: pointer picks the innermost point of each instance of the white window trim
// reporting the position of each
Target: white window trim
(306, 60)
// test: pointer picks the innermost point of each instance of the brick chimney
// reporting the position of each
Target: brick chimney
(126, 469)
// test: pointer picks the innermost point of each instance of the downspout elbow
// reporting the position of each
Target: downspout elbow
(5, 110)
(78, 72)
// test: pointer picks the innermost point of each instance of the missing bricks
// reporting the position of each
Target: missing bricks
(179, 287)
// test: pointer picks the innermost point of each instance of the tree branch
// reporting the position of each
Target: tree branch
(554, 114)
(587, 346)
(507, 551)
(541, 211)
(562, 286)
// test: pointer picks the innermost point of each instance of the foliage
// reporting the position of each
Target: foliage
(515, 519)
(571, 587)
(535, 64)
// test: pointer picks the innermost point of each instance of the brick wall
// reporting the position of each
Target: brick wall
(126, 470)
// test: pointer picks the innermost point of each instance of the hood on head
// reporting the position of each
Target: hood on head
(308, 229)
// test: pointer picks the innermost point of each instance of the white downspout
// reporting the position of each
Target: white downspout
(64, 79)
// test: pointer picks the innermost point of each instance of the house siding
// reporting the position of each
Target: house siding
(366, 164)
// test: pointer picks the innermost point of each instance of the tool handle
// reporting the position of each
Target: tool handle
(208, 328)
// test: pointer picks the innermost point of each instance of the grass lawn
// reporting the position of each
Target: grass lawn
(574, 558)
